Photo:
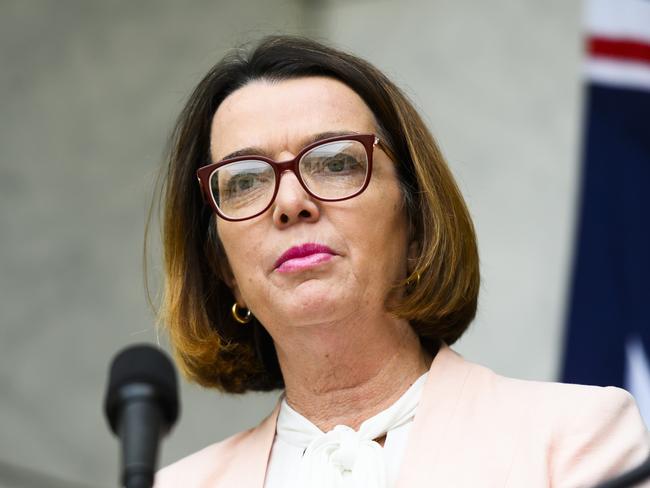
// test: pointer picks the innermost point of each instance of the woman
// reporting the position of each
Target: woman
(327, 251)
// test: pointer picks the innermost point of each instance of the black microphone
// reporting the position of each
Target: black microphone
(141, 406)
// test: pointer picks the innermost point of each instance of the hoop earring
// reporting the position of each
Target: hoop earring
(235, 313)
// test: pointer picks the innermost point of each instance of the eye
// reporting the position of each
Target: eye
(245, 185)
(339, 162)
(242, 182)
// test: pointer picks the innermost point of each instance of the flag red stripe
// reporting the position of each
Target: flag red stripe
(622, 49)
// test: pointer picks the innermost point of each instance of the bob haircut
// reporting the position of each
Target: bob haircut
(441, 293)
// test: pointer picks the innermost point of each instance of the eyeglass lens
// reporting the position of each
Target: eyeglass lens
(330, 171)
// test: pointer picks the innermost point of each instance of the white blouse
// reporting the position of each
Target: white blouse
(342, 457)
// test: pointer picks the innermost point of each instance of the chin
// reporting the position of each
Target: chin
(314, 307)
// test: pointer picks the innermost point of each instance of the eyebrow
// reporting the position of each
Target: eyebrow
(257, 151)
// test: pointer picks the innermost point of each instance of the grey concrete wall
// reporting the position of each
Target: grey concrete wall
(89, 91)
(88, 94)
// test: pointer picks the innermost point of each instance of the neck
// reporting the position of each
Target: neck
(335, 374)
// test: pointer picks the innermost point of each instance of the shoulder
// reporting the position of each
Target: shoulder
(595, 433)
(239, 459)
(565, 408)
(199, 468)
(554, 402)
(551, 399)
(582, 433)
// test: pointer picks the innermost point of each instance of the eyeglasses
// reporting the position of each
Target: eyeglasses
(331, 170)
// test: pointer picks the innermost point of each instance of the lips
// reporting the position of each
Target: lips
(303, 257)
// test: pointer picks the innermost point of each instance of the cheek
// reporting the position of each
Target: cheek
(233, 247)
(382, 238)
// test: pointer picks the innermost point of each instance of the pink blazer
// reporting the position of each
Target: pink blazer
(473, 428)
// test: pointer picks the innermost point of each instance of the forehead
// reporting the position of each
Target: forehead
(280, 116)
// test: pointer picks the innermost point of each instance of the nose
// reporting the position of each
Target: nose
(292, 203)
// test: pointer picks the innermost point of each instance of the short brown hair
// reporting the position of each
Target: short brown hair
(211, 348)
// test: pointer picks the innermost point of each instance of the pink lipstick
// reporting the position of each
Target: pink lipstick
(303, 257)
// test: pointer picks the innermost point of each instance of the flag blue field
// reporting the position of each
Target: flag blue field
(607, 339)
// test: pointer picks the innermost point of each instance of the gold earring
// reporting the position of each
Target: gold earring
(235, 313)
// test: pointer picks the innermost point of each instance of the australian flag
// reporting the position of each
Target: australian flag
(608, 332)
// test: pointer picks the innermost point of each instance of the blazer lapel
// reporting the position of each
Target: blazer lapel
(442, 391)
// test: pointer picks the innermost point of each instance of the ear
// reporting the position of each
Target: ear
(411, 257)
(231, 281)
(221, 265)
(234, 287)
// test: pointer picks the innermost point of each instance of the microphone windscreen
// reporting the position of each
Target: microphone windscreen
(146, 364)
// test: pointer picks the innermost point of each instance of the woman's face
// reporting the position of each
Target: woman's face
(366, 235)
